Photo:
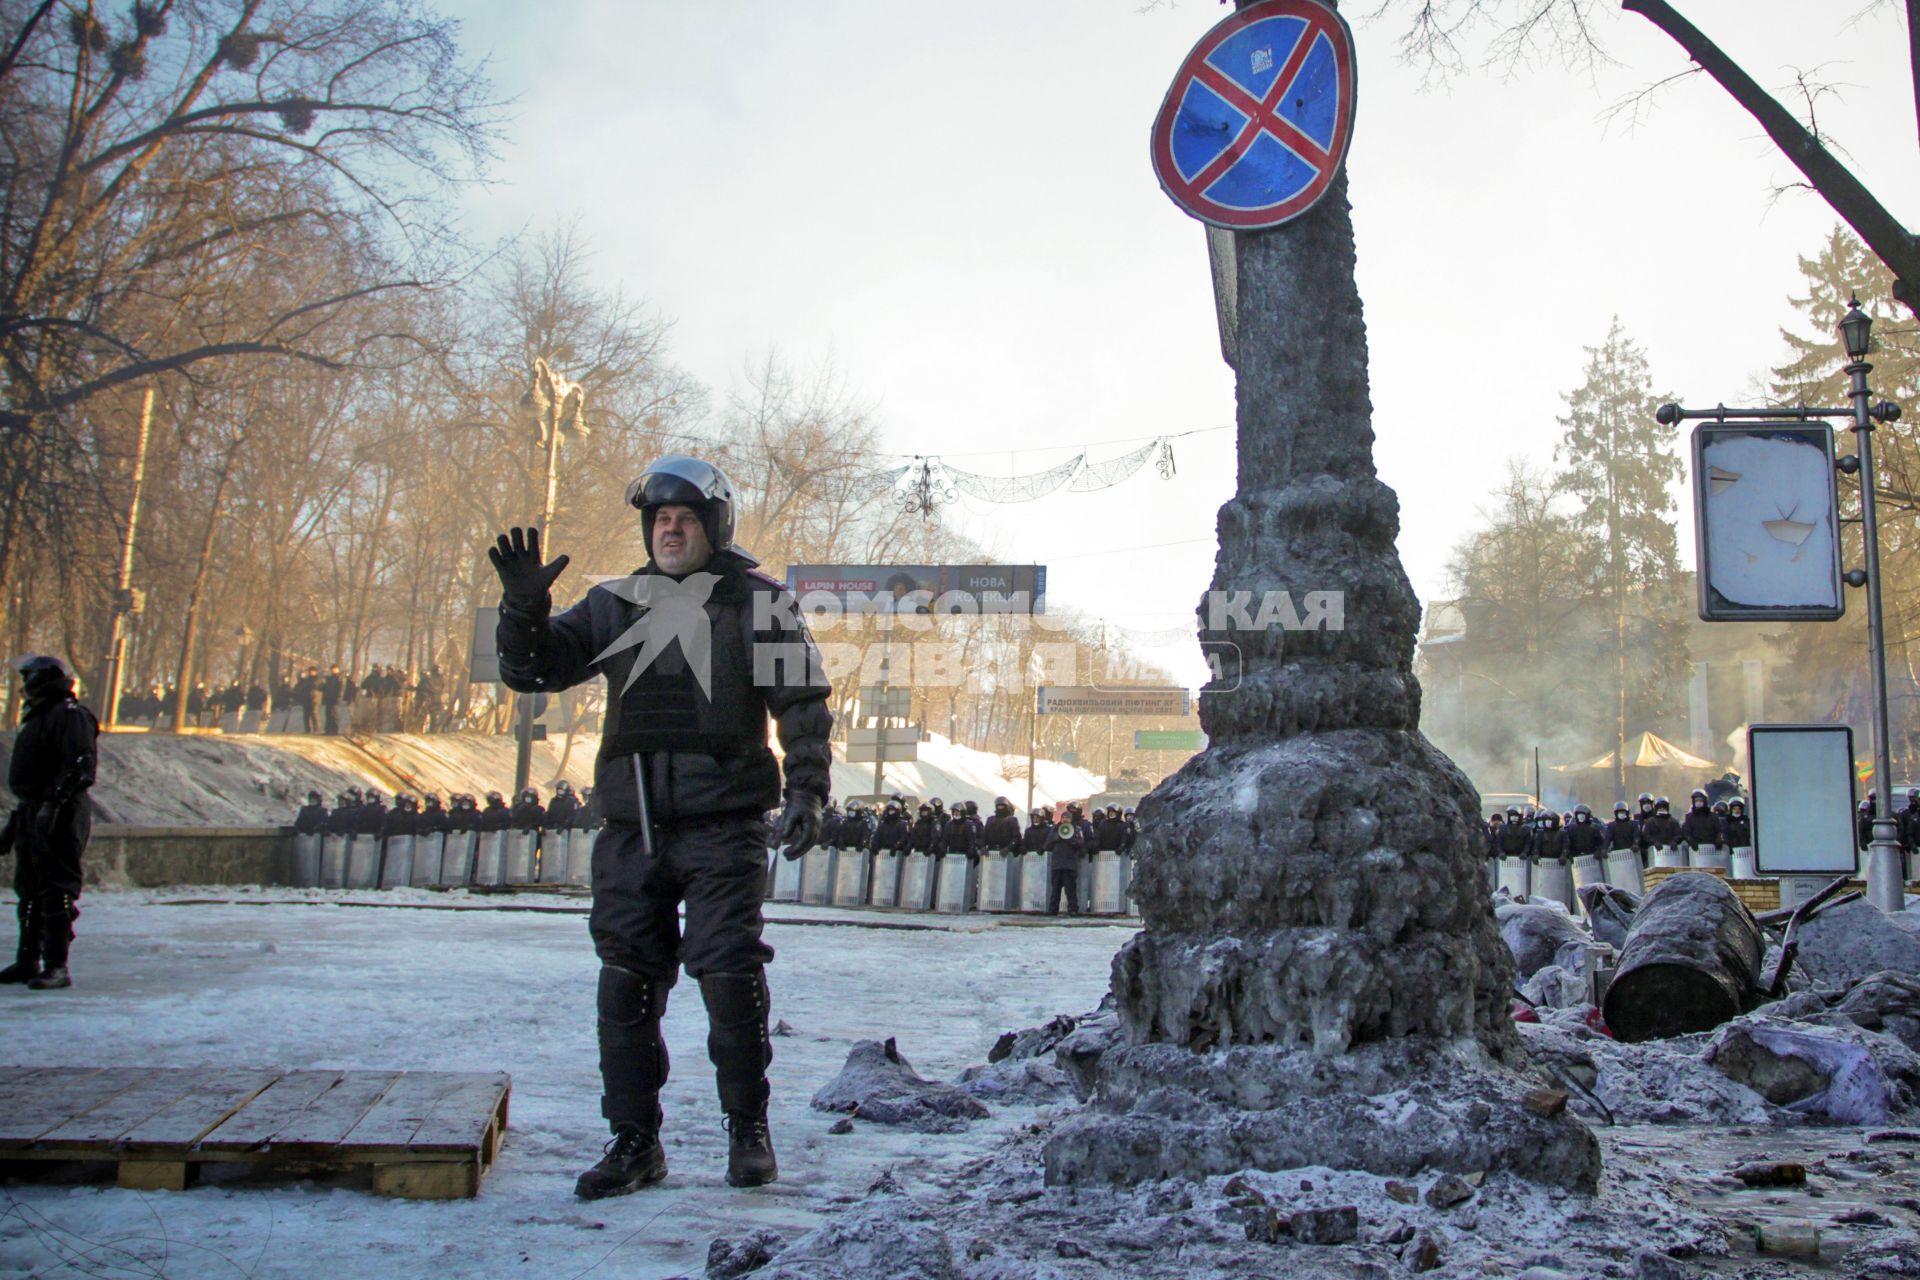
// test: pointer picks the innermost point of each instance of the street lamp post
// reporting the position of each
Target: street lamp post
(558, 405)
(1885, 881)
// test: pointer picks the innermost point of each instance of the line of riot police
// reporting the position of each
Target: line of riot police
(358, 812)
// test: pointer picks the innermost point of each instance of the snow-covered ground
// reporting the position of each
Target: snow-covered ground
(300, 979)
(212, 779)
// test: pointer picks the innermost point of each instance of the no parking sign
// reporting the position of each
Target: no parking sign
(1256, 125)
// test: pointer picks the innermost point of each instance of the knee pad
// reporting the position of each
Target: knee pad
(629, 999)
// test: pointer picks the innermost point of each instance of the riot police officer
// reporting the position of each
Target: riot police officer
(559, 814)
(1002, 831)
(496, 816)
(312, 818)
(1623, 832)
(683, 777)
(1065, 845)
(51, 768)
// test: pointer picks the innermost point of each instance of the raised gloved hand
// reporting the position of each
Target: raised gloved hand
(524, 581)
(799, 825)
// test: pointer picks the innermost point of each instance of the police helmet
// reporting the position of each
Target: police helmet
(1865, 806)
(1661, 805)
(936, 803)
(1551, 818)
(375, 796)
(494, 797)
(44, 677)
(355, 793)
(1620, 806)
(1581, 812)
(680, 480)
(1127, 813)
(1737, 803)
(1513, 811)
(1697, 798)
(563, 788)
(1720, 807)
(1646, 798)
(530, 796)
(313, 797)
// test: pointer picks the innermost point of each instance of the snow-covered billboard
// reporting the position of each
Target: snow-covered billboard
(1767, 523)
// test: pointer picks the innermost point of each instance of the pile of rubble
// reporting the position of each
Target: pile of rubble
(1826, 1032)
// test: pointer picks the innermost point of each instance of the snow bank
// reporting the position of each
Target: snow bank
(212, 779)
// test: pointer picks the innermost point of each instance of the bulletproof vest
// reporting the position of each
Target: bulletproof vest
(664, 709)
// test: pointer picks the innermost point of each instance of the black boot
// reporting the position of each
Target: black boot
(633, 1160)
(741, 1049)
(56, 915)
(633, 1066)
(26, 964)
(750, 1161)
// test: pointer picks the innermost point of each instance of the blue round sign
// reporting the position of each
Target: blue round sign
(1256, 125)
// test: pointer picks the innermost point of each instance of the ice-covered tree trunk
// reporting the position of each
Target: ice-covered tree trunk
(1320, 979)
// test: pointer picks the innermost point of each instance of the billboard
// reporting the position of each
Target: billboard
(1079, 700)
(1802, 781)
(1169, 740)
(919, 588)
(1768, 522)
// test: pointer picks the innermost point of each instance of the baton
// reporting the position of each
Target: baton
(646, 812)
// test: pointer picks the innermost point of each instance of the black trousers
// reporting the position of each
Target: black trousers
(717, 867)
(47, 876)
(1069, 881)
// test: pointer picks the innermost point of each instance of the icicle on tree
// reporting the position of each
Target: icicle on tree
(1320, 980)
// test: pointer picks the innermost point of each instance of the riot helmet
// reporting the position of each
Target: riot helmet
(1581, 813)
(563, 788)
(1698, 799)
(1662, 805)
(43, 677)
(494, 797)
(1737, 803)
(1645, 801)
(1513, 813)
(1620, 809)
(313, 797)
(680, 480)
(1720, 808)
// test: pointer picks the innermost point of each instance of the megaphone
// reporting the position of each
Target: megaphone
(1065, 830)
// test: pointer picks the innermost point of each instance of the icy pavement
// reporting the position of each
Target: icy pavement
(262, 981)
(420, 980)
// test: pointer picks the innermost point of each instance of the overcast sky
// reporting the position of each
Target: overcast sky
(954, 202)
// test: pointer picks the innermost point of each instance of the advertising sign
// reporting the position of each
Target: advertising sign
(919, 588)
(1074, 700)
(1768, 526)
(1802, 780)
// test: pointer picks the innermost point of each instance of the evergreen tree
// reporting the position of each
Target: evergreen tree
(1827, 661)
(1621, 466)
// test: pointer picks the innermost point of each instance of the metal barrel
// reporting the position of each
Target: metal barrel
(1691, 961)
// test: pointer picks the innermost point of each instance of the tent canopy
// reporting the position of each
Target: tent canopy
(1648, 751)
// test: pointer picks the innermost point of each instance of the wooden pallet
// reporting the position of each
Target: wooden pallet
(426, 1135)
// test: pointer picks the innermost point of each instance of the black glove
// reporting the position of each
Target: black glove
(524, 581)
(43, 822)
(799, 825)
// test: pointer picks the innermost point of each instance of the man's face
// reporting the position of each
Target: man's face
(679, 540)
